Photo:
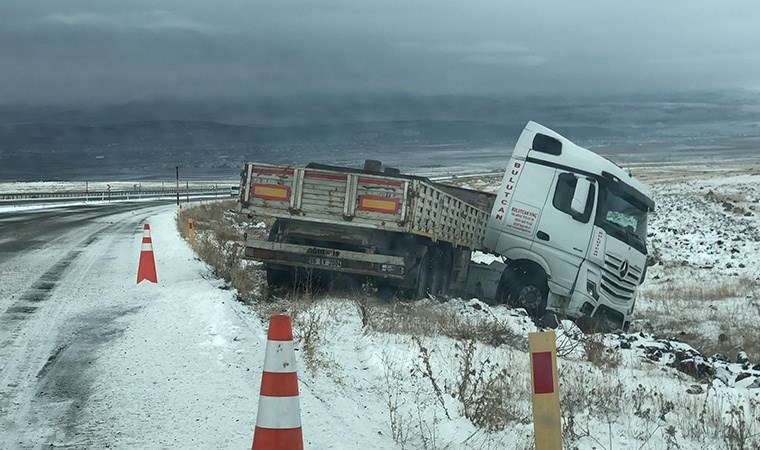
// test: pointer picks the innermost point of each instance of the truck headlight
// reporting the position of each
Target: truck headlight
(591, 289)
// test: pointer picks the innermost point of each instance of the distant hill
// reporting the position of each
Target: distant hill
(148, 139)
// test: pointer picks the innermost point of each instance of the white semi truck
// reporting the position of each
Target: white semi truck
(568, 228)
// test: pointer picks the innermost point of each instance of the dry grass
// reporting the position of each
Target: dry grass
(657, 417)
(490, 392)
(715, 315)
(422, 319)
(699, 289)
(598, 354)
(721, 197)
(218, 241)
(725, 341)
(729, 202)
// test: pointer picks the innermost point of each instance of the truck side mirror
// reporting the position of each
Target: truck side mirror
(580, 197)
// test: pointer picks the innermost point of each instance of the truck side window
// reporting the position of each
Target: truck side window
(563, 196)
(547, 144)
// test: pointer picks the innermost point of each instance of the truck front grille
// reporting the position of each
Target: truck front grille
(620, 288)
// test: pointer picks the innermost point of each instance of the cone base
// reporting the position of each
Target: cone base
(277, 439)
(147, 268)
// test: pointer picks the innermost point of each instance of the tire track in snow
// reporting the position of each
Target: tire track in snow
(66, 378)
(12, 320)
(40, 235)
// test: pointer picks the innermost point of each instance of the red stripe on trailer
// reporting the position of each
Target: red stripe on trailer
(279, 328)
(283, 438)
(279, 384)
(325, 176)
(543, 374)
(263, 171)
(379, 182)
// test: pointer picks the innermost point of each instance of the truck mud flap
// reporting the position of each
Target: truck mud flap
(322, 258)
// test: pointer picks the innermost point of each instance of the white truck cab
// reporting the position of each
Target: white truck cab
(577, 248)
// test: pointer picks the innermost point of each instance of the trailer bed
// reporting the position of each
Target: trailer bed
(342, 196)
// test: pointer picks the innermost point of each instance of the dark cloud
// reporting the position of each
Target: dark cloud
(106, 51)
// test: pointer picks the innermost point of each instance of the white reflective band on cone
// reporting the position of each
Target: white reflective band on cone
(147, 247)
(280, 357)
(146, 233)
(278, 412)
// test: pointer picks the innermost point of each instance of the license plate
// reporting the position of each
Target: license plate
(325, 262)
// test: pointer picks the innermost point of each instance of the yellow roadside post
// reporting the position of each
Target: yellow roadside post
(190, 231)
(547, 424)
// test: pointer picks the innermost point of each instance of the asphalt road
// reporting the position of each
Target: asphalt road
(54, 265)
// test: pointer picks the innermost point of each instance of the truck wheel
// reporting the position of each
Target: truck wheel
(440, 271)
(529, 294)
(385, 291)
(520, 288)
(422, 282)
(279, 277)
(424, 276)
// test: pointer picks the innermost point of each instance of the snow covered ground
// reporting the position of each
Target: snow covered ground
(178, 364)
(454, 374)
(91, 360)
(705, 236)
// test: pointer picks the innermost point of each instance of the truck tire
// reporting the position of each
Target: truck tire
(419, 285)
(520, 288)
(529, 294)
(424, 276)
(440, 271)
(279, 277)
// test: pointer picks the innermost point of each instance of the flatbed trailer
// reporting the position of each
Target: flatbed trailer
(364, 222)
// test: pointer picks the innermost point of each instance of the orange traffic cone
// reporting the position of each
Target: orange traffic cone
(147, 268)
(278, 422)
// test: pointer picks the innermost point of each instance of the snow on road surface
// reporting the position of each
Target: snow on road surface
(89, 359)
(180, 371)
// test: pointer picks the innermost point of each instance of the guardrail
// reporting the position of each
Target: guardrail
(220, 192)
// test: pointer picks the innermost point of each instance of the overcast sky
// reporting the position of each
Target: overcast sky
(104, 51)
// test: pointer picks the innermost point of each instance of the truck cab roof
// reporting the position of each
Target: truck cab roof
(560, 152)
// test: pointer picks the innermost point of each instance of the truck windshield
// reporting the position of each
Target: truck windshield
(622, 216)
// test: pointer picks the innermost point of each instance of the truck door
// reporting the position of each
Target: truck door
(565, 226)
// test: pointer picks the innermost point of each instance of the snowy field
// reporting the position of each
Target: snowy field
(185, 368)
(705, 236)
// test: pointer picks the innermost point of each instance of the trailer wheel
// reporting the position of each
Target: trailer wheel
(424, 276)
(279, 277)
(441, 261)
